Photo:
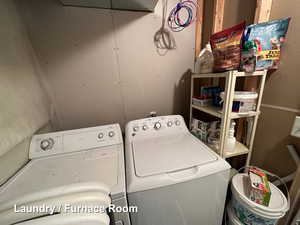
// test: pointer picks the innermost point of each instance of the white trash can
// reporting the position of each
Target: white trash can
(232, 219)
(251, 213)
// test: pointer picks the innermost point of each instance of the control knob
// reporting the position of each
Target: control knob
(111, 133)
(177, 122)
(136, 128)
(157, 126)
(100, 135)
(170, 123)
(47, 144)
(145, 127)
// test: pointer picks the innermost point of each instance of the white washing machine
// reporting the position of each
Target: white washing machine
(172, 177)
(75, 166)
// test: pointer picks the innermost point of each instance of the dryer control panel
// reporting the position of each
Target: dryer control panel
(75, 140)
(157, 126)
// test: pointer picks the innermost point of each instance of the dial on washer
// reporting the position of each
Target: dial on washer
(47, 144)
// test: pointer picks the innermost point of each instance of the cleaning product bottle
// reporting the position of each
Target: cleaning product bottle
(205, 61)
(249, 56)
(230, 140)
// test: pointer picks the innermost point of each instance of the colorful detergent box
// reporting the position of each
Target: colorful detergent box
(259, 187)
(262, 45)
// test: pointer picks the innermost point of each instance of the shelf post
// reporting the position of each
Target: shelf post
(225, 112)
(253, 130)
(191, 103)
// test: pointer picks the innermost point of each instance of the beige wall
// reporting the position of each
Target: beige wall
(271, 138)
(282, 89)
(101, 66)
(23, 104)
(235, 12)
(207, 21)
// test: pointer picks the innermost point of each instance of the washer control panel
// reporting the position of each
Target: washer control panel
(156, 125)
(74, 140)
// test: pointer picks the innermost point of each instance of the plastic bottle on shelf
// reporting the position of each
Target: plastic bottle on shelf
(231, 140)
(205, 61)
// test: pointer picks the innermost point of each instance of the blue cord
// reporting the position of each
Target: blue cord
(174, 21)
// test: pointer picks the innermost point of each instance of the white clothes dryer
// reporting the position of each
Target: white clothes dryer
(70, 219)
(75, 166)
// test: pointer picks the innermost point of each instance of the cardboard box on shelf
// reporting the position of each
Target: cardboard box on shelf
(206, 131)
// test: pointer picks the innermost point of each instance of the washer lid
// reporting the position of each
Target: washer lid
(41, 174)
(169, 153)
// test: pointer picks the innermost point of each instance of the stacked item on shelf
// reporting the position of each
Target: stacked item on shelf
(205, 61)
(238, 115)
(226, 48)
(230, 138)
(207, 131)
(252, 48)
(198, 101)
(243, 101)
(209, 95)
(262, 44)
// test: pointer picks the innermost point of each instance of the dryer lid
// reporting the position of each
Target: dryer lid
(59, 204)
(169, 153)
(41, 174)
(70, 219)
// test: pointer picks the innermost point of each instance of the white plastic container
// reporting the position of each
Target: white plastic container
(230, 140)
(243, 101)
(251, 213)
(205, 61)
(201, 102)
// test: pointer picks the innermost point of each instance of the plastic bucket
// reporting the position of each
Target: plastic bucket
(232, 219)
(243, 101)
(251, 213)
(242, 95)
